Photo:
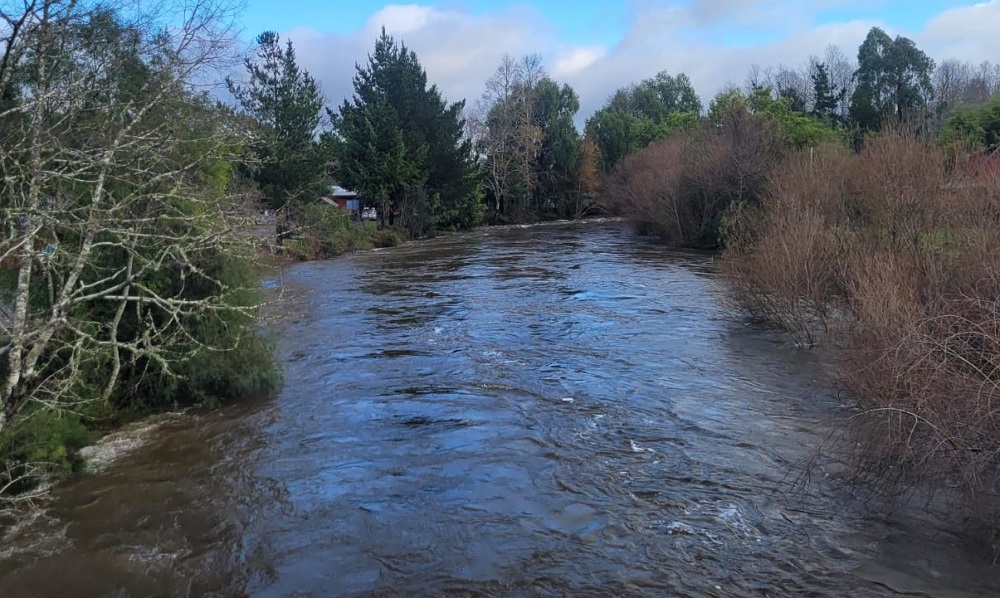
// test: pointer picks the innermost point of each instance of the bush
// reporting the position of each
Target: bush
(42, 444)
(902, 264)
(681, 188)
(317, 231)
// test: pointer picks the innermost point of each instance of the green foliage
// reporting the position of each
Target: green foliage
(47, 442)
(322, 231)
(974, 127)
(558, 155)
(799, 130)
(403, 147)
(637, 116)
(284, 104)
(728, 101)
(893, 80)
(796, 128)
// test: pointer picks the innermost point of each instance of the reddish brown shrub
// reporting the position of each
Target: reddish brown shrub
(681, 187)
(905, 261)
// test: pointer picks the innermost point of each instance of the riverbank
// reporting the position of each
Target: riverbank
(424, 444)
(891, 256)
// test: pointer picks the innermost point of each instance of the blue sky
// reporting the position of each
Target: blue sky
(577, 21)
(585, 21)
(600, 45)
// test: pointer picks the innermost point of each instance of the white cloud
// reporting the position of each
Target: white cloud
(967, 33)
(571, 62)
(402, 19)
(460, 50)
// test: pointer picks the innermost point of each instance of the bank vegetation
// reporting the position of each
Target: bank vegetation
(866, 218)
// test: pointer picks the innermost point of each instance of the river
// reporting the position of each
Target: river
(555, 410)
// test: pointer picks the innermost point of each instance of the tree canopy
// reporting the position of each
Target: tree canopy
(636, 116)
(401, 145)
(893, 80)
(285, 106)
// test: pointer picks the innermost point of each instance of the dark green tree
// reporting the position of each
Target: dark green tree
(285, 105)
(559, 154)
(893, 80)
(402, 146)
(827, 99)
(638, 115)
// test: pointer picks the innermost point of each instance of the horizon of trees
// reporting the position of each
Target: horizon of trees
(517, 154)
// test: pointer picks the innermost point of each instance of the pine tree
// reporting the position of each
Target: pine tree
(403, 147)
(827, 99)
(285, 104)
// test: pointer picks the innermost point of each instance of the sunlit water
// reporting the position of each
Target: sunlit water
(560, 410)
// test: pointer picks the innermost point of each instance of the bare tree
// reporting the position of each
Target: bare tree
(530, 137)
(505, 134)
(110, 205)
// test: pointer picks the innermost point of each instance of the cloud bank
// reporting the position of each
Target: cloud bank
(714, 41)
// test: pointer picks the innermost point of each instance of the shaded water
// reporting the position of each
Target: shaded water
(541, 411)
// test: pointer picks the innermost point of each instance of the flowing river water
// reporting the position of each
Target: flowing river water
(560, 410)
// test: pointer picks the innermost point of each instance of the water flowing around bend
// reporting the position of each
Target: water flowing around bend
(540, 411)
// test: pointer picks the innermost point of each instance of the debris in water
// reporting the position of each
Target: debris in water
(638, 449)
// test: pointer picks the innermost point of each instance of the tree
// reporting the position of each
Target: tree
(841, 72)
(792, 127)
(559, 153)
(399, 143)
(588, 178)
(118, 260)
(893, 80)
(975, 127)
(509, 136)
(529, 147)
(285, 105)
(497, 127)
(960, 85)
(638, 115)
(826, 97)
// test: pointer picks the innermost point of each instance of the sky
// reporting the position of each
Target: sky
(598, 46)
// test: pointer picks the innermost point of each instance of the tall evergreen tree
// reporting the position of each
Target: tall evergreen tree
(402, 146)
(559, 153)
(826, 97)
(893, 80)
(285, 104)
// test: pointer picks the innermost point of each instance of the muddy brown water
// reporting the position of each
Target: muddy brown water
(560, 410)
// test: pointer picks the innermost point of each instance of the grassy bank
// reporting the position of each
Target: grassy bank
(312, 232)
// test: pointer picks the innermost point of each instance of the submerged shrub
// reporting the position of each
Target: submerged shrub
(902, 263)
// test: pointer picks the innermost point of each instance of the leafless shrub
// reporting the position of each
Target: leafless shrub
(906, 262)
(680, 188)
(783, 257)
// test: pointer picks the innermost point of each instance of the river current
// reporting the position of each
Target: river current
(555, 410)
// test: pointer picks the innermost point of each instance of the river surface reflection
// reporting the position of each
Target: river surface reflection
(560, 410)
